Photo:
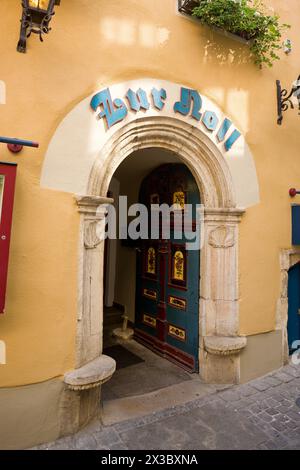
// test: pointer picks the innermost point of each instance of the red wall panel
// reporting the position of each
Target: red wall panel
(8, 171)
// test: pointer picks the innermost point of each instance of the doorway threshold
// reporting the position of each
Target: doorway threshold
(128, 408)
(146, 386)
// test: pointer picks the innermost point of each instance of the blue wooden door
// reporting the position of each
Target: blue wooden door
(294, 307)
(167, 306)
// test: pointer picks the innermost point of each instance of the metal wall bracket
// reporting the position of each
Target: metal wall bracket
(284, 101)
(187, 6)
(35, 20)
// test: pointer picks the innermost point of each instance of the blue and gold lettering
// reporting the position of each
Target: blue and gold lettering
(224, 129)
(184, 106)
(190, 104)
(113, 111)
(232, 139)
(138, 100)
(210, 120)
(159, 97)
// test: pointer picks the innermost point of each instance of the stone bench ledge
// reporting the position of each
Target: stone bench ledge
(91, 375)
(224, 346)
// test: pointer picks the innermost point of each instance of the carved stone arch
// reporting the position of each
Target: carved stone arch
(193, 147)
(219, 345)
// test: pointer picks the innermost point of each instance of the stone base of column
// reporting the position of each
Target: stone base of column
(221, 359)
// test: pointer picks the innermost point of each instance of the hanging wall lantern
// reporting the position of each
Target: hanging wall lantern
(286, 100)
(36, 17)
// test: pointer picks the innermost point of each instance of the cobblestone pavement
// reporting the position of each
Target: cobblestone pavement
(263, 414)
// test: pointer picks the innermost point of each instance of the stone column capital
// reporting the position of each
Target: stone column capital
(223, 215)
(90, 205)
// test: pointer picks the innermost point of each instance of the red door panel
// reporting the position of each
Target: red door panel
(7, 190)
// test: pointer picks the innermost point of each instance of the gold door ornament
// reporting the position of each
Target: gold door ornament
(150, 294)
(178, 266)
(177, 333)
(179, 199)
(151, 261)
(150, 321)
(177, 303)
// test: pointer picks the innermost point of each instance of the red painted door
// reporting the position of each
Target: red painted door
(7, 190)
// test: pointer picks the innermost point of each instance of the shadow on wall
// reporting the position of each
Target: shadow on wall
(126, 32)
(225, 50)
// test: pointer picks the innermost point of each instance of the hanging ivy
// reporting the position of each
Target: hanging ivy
(247, 19)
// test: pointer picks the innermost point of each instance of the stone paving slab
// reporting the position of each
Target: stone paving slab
(262, 414)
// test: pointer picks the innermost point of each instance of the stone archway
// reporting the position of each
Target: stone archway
(219, 345)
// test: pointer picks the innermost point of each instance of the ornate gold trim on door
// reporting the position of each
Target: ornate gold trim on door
(151, 261)
(177, 303)
(150, 294)
(149, 321)
(177, 333)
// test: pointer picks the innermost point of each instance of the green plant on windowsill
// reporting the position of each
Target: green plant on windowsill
(248, 20)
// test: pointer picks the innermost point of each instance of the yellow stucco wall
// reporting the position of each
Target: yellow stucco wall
(95, 43)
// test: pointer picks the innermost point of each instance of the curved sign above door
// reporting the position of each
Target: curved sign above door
(190, 104)
(82, 134)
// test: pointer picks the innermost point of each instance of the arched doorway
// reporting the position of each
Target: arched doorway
(219, 342)
(152, 175)
(154, 279)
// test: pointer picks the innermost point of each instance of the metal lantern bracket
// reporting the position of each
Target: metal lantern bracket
(284, 101)
(35, 20)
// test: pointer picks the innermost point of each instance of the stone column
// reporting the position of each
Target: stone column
(90, 300)
(220, 344)
(80, 401)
